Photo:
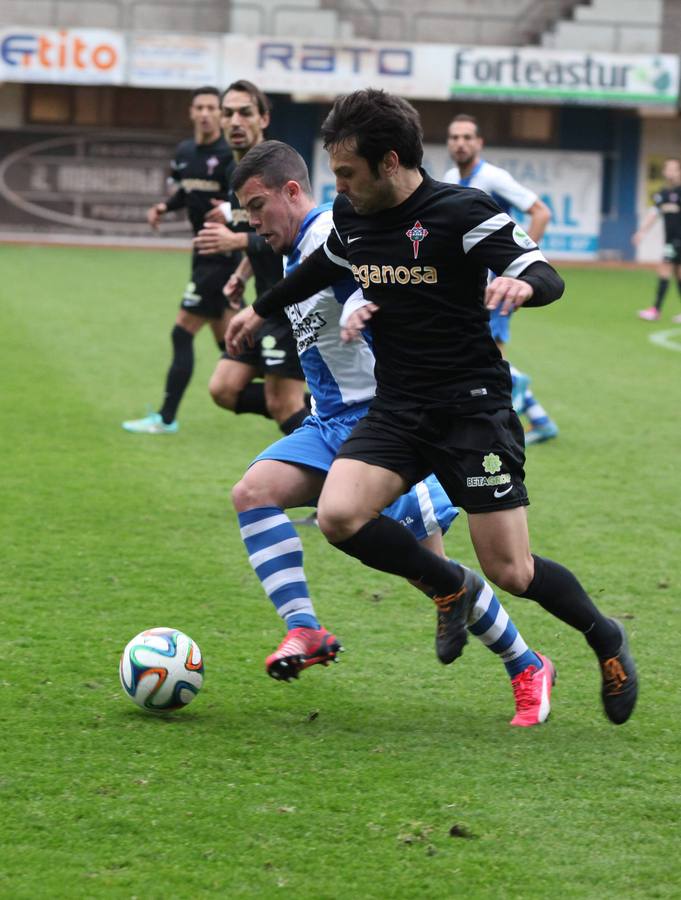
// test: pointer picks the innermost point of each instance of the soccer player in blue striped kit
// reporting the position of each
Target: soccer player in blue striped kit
(272, 183)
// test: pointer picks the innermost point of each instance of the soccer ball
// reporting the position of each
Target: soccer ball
(161, 669)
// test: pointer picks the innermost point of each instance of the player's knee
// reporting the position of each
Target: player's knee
(513, 576)
(336, 523)
(246, 495)
(221, 392)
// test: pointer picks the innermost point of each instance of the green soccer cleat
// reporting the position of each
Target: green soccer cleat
(151, 424)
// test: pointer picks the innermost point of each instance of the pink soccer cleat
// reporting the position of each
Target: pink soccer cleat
(532, 692)
(300, 649)
(652, 314)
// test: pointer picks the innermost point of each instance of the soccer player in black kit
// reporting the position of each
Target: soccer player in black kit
(245, 113)
(667, 204)
(421, 249)
(202, 170)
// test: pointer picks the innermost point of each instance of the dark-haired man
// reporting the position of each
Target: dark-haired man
(201, 169)
(273, 184)
(421, 249)
(245, 112)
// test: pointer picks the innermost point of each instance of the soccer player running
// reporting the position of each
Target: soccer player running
(201, 170)
(245, 112)
(464, 144)
(667, 204)
(421, 249)
(272, 182)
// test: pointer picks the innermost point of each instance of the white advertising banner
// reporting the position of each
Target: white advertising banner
(327, 68)
(557, 76)
(63, 56)
(444, 71)
(174, 60)
(569, 183)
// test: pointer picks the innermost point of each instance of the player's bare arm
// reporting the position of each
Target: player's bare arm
(216, 238)
(540, 216)
(155, 213)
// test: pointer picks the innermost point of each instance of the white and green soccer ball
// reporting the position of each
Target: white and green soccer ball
(161, 669)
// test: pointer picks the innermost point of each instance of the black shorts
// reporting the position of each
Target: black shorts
(274, 351)
(203, 295)
(672, 252)
(477, 458)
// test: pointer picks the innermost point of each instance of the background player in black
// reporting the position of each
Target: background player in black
(667, 204)
(245, 115)
(420, 249)
(201, 169)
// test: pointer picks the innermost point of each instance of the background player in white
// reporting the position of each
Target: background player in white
(464, 144)
(666, 204)
(273, 185)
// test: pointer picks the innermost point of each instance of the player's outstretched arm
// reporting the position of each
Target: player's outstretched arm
(313, 275)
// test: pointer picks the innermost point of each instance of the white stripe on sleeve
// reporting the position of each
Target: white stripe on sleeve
(483, 230)
(519, 264)
(338, 260)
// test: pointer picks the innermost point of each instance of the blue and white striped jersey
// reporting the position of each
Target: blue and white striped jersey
(340, 376)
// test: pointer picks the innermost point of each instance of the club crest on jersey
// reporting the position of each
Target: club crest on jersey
(211, 164)
(416, 234)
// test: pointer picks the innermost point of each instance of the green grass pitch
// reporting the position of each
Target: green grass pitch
(387, 776)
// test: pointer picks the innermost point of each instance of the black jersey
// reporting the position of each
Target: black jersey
(424, 263)
(668, 204)
(202, 173)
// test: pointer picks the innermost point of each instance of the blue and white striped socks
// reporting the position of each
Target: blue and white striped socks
(276, 553)
(490, 622)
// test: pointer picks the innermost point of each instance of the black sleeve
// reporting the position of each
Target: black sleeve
(177, 201)
(313, 274)
(256, 244)
(546, 282)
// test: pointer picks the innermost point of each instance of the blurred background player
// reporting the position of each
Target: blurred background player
(666, 204)
(273, 183)
(245, 112)
(464, 145)
(202, 170)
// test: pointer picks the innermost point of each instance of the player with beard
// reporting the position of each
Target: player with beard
(421, 249)
(245, 114)
(273, 185)
(201, 169)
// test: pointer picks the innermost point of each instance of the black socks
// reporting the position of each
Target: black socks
(180, 372)
(557, 591)
(386, 545)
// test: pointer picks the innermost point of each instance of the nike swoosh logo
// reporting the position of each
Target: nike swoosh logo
(498, 493)
(352, 240)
